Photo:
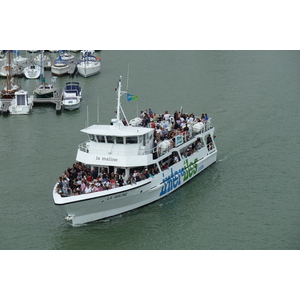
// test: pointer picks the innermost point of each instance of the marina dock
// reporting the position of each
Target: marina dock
(57, 100)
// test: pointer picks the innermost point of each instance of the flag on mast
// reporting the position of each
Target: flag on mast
(132, 97)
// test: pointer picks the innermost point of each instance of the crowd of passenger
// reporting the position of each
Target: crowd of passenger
(81, 180)
(166, 125)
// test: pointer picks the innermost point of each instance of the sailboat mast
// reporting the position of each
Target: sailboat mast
(41, 71)
(8, 78)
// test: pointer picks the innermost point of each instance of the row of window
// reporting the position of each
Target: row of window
(121, 140)
(115, 139)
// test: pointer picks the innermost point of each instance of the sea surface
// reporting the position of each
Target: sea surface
(249, 199)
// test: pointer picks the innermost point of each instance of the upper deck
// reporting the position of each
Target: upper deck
(119, 145)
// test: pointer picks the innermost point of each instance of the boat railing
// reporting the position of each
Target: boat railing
(165, 145)
(83, 147)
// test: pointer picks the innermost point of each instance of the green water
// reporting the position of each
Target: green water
(249, 199)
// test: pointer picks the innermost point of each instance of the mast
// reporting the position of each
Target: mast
(119, 107)
(8, 77)
(41, 67)
(119, 98)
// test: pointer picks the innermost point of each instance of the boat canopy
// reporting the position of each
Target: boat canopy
(117, 129)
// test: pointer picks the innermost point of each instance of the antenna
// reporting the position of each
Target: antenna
(98, 111)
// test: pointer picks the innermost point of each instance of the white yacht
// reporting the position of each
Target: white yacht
(60, 67)
(46, 60)
(71, 96)
(19, 60)
(21, 104)
(121, 167)
(66, 56)
(88, 65)
(45, 90)
(32, 71)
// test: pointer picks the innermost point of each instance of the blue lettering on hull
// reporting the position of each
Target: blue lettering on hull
(175, 179)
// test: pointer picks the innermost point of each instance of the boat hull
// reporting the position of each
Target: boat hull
(87, 71)
(19, 110)
(32, 72)
(60, 71)
(71, 107)
(99, 205)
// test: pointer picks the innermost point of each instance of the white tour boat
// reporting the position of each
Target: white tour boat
(71, 96)
(21, 104)
(120, 168)
(88, 65)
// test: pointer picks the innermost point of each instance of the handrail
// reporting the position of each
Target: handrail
(207, 126)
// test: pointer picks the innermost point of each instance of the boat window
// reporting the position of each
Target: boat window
(21, 100)
(101, 139)
(92, 137)
(140, 140)
(131, 140)
(119, 140)
(110, 139)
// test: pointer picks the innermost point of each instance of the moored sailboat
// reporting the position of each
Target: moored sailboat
(44, 90)
(8, 92)
(89, 64)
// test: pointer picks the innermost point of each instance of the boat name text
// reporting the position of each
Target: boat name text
(106, 158)
(116, 196)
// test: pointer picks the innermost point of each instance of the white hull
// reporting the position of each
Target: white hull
(152, 165)
(21, 104)
(71, 96)
(99, 205)
(45, 60)
(45, 90)
(5, 70)
(32, 72)
(19, 110)
(59, 70)
(70, 106)
(87, 70)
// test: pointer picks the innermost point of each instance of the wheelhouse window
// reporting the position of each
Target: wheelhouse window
(92, 138)
(131, 140)
(101, 139)
(110, 139)
(21, 100)
(119, 140)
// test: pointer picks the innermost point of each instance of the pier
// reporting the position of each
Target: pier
(57, 101)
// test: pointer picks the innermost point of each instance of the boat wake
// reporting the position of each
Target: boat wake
(223, 159)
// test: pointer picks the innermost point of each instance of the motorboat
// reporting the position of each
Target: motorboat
(120, 168)
(21, 104)
(60, 67)
(89, 64)
(45, 90)
(71, 96)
